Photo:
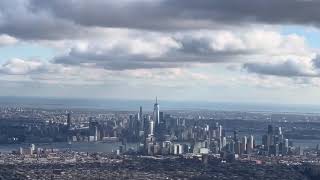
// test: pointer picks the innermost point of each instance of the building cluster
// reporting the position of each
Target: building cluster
(184, 142)
(161, 135)
(154, 132)
(274, 143)
(32, 150)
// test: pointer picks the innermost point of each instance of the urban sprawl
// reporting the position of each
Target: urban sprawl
(176, 144)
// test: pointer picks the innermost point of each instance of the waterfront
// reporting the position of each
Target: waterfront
(109, 147)
(91, 147)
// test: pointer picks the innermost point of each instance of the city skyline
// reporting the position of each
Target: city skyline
(160, 89)
(216, 51)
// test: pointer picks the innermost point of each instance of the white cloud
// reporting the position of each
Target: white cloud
(7, 40)
(121, 50)
(21, 67)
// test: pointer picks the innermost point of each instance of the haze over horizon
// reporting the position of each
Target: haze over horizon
(165, 105)
(210, 50)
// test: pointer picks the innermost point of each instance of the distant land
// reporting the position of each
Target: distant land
(133, 105)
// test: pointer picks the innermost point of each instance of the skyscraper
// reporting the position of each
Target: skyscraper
(279, 131)
(235, 135)
(250, 144)
(220, 131)
(151, 128)
(270, 129)
(244, 144)
(140, 114)
(161, 117)
(141, 120)
(156, 113)
(69, 120)
(237, 147)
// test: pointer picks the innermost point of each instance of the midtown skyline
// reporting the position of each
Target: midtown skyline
(215, 51)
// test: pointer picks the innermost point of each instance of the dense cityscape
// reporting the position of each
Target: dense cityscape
(159, 89)
(60, 144)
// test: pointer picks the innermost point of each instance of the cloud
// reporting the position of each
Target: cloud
(60, 19)
(142, 50)
(288, 68)
(21, 67)
(316, 61)
(34, 71)
(181, 14)
(21, 70)
(7, 40)
(18, 19)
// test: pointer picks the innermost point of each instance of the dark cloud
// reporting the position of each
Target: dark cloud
(316, 61)
(288, 68)
(177, 14)
(111, 61)
(58, 19)
(19, 20)
(63, 19)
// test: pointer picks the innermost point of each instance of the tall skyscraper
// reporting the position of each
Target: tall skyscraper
(224, 142)
(220, 131)
(141, 120)
(270, 129)
(237, 147)
(250, 144)
(285, 147)
(161, 117)
(244, 144)
(140, 114)
(69, 120)
(96, 133)
(151, 128)
(278, 131)
(235, 135)
(156, 112)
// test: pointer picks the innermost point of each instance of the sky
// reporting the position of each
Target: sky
(262, 51)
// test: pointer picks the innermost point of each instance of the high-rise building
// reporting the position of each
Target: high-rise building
(68, 120)
(93, 131)
(141, 121)
(265, 141)
(250, 144)
(235, 136)
(96, 133)
(276, 153)
(140, 114)
(270, 140)
(230, 146)
(32, 148)
(220, 131)
(285, 147)
(224, 142)
(270, 129)
(156, 112)
(237, 147)
(146, 123)
(161, 117)
(151, 128)
(244, 144)
(278, 131)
